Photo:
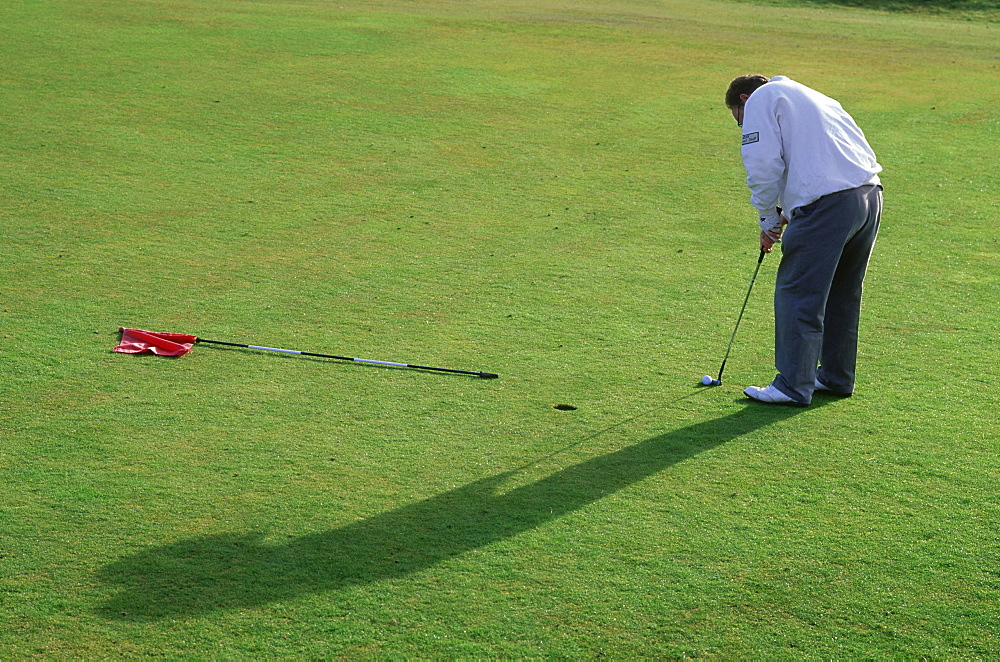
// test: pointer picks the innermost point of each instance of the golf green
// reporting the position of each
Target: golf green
(546, 190)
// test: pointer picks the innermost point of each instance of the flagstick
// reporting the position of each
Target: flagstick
(484, 375)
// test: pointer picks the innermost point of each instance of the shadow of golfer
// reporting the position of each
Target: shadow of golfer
(230, 571)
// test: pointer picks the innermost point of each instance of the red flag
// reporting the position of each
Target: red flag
(136, 341)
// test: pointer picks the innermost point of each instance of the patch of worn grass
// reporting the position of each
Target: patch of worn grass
(971, 10)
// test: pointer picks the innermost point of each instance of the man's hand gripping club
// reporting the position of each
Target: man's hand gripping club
(771, 227)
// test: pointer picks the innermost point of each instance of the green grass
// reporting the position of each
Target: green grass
(549, 190)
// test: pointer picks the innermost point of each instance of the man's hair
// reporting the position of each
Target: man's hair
(745, 84)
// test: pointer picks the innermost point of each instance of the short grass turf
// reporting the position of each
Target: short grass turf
(548, 190)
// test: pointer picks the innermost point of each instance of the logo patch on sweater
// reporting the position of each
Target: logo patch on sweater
(750, 138)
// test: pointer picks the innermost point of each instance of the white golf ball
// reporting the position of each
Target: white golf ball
(706, 380)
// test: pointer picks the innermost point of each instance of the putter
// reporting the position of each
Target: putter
(484, 375)
(718, 380)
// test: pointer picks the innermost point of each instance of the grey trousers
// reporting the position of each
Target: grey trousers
(817, 295)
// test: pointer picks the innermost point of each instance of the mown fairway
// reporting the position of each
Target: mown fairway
(550, 190)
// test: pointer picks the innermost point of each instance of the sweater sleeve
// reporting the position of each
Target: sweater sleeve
(763, 156)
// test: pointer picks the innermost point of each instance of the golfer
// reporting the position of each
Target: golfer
(814, 181)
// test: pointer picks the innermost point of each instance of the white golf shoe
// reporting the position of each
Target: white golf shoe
(770, 395)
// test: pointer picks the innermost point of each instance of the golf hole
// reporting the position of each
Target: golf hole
(564, 407)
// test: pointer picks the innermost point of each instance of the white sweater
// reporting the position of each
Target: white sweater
(799, 145)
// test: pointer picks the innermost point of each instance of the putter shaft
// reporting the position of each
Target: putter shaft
(738, 319)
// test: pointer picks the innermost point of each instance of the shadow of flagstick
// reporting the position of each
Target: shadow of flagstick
(231, 571)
